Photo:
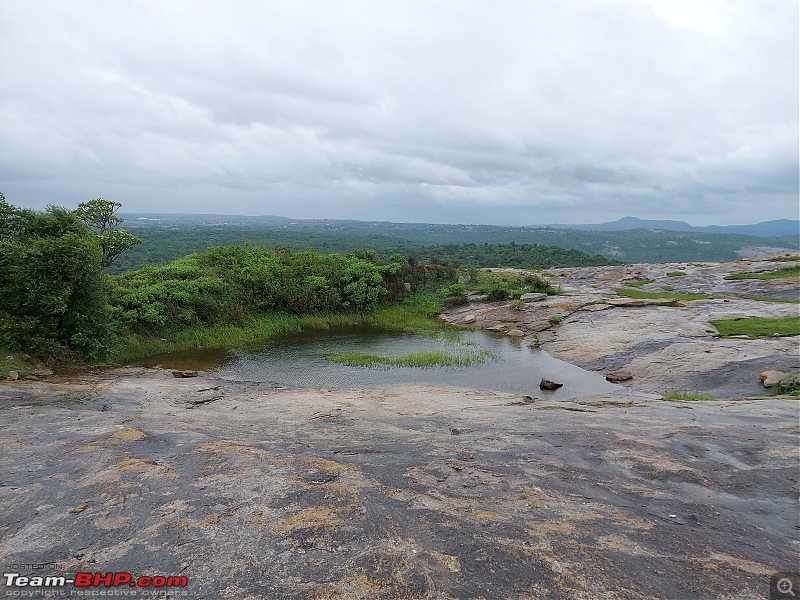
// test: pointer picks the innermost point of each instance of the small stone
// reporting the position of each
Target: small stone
(772, 378)
(496, 328)
(533, 297)
(184, 374)
(549, 384)
(470, 319)
(12, 376)
(516, 333)
(78, 509)
(618, 376)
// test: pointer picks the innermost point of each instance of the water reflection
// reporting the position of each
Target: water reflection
(299, 360)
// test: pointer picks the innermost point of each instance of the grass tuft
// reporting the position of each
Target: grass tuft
(676, 274)
(689, 396)
(628, 293)
(422, 360)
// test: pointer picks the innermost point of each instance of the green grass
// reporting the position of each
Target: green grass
(422, 360)
(636, 284)
(629, 293)
(688, 396)
(556, 319)
(512, 284)
(758, 326)
(414, 315)
(791, 388)
(676, 274)
(782, 273)
(14, 361)
(771, 299)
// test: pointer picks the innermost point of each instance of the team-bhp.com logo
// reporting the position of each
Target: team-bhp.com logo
(96, 580)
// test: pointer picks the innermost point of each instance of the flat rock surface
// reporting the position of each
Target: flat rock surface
(397, 492)
(665, 345)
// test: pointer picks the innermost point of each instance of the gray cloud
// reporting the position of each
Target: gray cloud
(511, 112)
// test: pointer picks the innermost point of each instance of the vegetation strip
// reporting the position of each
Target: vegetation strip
(758, 326)
(782, 273)
(424, 360)
(629, 293)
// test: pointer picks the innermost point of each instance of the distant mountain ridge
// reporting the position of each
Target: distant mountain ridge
(763, 229)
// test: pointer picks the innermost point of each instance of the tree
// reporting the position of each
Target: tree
(99, 215)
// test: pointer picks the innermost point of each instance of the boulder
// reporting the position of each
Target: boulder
(43, 372)
(548, 384)
(12, 376)
(184, 374)
(772, 378)
(618, 376)
(516, 333)
(470, 319)
(464, 279)
(533, 297)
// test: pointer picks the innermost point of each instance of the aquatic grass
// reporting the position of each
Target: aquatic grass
(675, 274)
(629, 293)
(758, 326)
(422, 360)
(689, 396)
(782, 273)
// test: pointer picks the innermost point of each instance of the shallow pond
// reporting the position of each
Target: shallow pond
(301, 360)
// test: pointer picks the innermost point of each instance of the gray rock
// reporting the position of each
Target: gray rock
(516, 333)
(500, 328)
(617, 376)
(203, 396)
(183, 374)
(772, 378)
(12, 376)
(43, 372)
(549, 384)
(464, 279)
(532, 297)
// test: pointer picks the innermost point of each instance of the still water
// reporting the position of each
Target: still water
(300, 360)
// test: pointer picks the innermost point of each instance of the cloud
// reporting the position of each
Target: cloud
(414, 111)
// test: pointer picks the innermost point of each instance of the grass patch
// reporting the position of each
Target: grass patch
(791, 388)
(414, 315)
(421, 360)
(676, 274)
(636, 284)
(14, 361)
(758, 326)
(771, 299)
(629, 293)
(782, 273)
(556, 319)
(503, 285)
(689, 396)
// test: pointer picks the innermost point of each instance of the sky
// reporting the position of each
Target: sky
(502, 112)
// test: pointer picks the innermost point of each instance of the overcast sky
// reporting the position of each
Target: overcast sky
(502, 112)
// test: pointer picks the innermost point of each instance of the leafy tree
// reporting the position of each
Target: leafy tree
(98, 214)
(52, 286)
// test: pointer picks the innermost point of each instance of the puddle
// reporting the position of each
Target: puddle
(300, 360)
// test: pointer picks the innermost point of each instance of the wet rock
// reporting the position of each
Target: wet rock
(533, 297)
(549, 384)
(12, 376)
(772, 378)
(203, 396)
(496, 328)
(516, 333)
(470, 319)
(618, 376)
(184, 374)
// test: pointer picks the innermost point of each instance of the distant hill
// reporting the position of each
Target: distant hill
(763, 229)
